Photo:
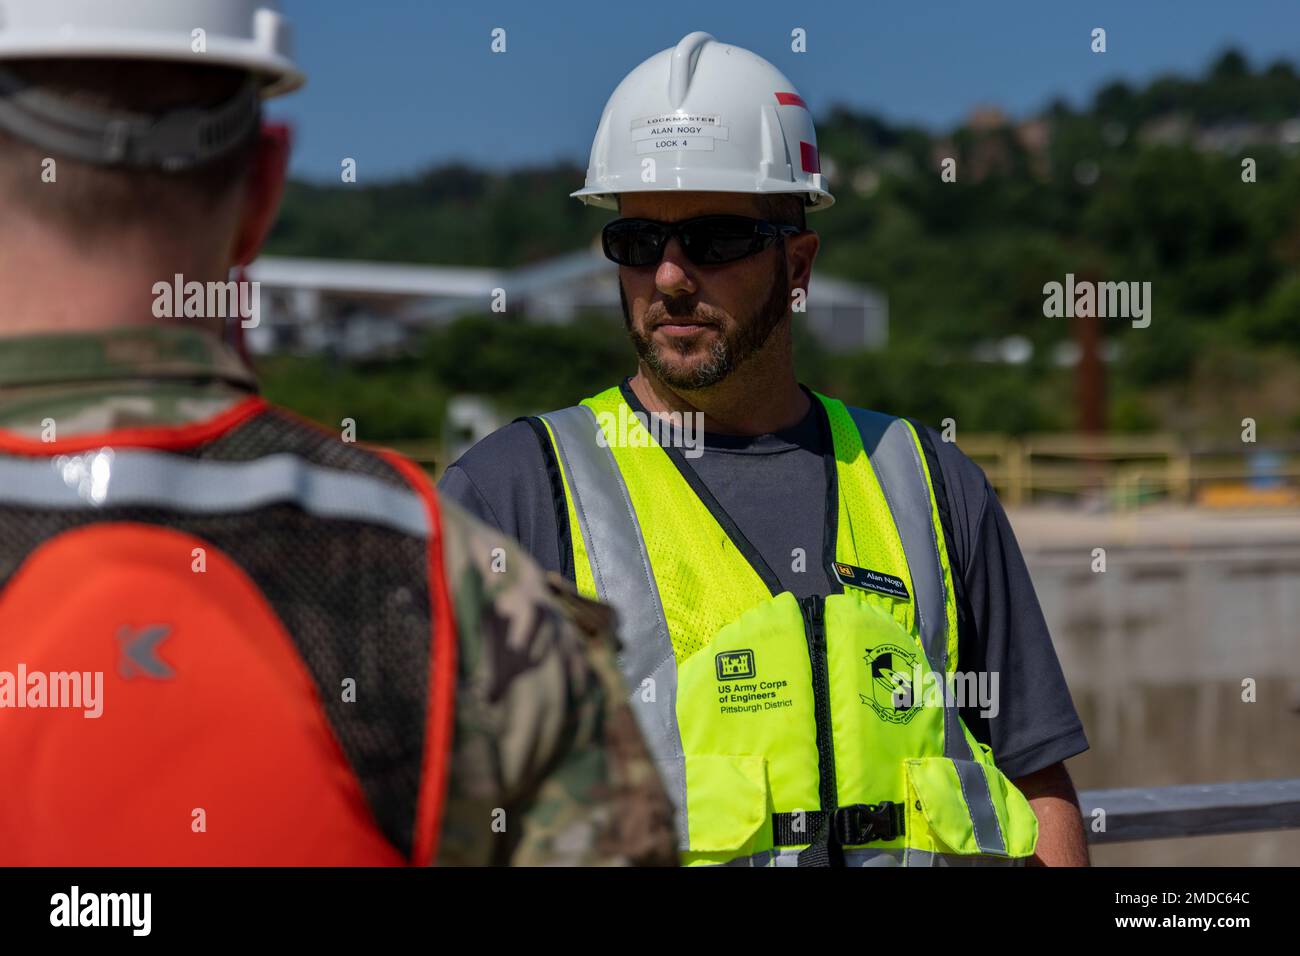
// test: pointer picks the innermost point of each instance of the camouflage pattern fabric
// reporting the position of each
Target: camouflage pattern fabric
(548, 766)
(121, 378)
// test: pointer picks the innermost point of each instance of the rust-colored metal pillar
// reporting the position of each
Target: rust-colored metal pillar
(1090, 374)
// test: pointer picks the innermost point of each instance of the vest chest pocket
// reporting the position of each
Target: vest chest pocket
(729, 812)
(745, 713)
(951, 821)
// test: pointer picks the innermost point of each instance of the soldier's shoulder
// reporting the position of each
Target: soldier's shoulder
(485, 566)
(473, 546)
(542, 718)
(598, 621)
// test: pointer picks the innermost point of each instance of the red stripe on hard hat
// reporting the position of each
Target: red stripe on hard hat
(791, 99)
(808, 158)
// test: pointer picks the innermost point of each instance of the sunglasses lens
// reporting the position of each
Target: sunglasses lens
(712, 241)
(708, 240)
(633, 243)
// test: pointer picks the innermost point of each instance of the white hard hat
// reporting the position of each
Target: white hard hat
(712, 117)
(248, 34)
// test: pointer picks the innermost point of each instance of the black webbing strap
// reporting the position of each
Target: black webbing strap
(558, 499)
(823, 851)
(845, 826)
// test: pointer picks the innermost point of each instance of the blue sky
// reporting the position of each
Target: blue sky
(402, 84)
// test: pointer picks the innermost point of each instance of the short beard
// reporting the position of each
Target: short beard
(728, 351)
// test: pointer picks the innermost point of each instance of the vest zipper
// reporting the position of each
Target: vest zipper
(813, 609)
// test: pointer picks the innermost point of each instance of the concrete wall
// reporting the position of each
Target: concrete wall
(1157, 647)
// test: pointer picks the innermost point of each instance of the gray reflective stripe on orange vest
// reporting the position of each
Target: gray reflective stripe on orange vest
(624, 579)
(894, 457)
(118, 477)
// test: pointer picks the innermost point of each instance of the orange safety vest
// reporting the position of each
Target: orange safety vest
(227, 643)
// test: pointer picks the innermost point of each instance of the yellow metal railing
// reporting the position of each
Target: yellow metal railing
(1129, 469)
(1125, 470)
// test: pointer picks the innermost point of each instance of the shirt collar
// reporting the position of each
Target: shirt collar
(131, 353)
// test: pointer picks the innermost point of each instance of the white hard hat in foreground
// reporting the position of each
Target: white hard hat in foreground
(712, 117)
(247, 35)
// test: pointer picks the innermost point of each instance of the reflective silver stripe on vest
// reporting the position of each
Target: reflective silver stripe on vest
(926, 858)
(113, 477)
(789, 856)
(624, 579)
(983, 818)
(897, 463)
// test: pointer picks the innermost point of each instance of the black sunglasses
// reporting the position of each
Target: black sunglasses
(706, 240)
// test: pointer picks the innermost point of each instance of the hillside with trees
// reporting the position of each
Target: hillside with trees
(1144, 184)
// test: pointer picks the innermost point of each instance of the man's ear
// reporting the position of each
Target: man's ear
(263, 192)
(800, 251)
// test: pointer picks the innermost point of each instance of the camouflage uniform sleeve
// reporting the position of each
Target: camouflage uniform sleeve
(548, 766)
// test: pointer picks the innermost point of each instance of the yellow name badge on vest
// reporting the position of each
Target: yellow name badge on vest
(871, 581)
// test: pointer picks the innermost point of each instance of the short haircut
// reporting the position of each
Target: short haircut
(88, 200)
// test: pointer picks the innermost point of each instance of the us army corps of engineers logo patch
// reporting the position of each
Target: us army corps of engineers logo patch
(892, 695)
(735, 665)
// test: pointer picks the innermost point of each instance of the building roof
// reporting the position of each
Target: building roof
(373, 278)
(842, 313)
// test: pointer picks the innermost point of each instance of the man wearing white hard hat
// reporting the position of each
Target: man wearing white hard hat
(809, 597)
(228, 636)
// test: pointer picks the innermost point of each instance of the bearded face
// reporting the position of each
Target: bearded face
(694, 325)
(690, 344)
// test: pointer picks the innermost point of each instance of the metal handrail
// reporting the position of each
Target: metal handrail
(1023, 468)
(1074, 463)
(1190, 810)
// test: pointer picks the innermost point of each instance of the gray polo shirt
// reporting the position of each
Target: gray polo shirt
(774, 489)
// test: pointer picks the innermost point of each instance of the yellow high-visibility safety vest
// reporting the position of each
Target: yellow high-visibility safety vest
(789, 731)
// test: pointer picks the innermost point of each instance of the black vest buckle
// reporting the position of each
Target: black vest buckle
(865, 822)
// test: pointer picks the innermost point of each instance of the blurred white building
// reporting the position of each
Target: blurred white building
(372, 309)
